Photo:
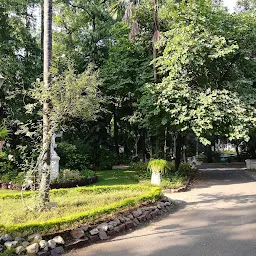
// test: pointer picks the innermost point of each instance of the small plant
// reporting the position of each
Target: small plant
(87, 174)
(158, 166)
(19, 179)
(184, 169)
(68, 175)
(3, 133)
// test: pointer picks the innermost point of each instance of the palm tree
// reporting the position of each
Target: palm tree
(126, 9)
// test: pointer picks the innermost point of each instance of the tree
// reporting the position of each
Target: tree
(200, 89)
(44, 187)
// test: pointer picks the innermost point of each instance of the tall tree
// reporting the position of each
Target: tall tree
(45, 174)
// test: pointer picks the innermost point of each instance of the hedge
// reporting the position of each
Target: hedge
(68, 222)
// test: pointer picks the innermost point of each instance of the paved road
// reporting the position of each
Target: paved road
(216, 218)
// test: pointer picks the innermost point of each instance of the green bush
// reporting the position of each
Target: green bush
(106, 160)
(184, 169)
(19, 179)
(3, 132)
(70, 157)
(67, 175)
(139, 166)
(5, 165)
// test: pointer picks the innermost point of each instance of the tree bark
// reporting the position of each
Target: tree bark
(44, 186)
(179, 144)
(116, 134)
(165, 142)
(42, 29)
(237, 153)
(156, 37)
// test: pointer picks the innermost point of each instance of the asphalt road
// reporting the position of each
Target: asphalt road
(217, 217)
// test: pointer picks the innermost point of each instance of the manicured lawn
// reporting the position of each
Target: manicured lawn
(69, 201)
(76, 204)
(7, 191)
(115, 177)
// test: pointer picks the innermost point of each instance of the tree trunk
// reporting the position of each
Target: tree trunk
(184, 154)
(179, 144)
(44, 186)
(237, 153)
(144, 146)
(42, 29)
(156, 37)
(165, 143)
(174, 146)
(116, 134)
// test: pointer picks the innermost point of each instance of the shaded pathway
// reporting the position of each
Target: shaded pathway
(216, 218)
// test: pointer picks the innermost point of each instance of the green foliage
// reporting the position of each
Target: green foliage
(19, 179)
(68, 175)
(106, 160)
(5, 164)
(184, 170)
(70, 156)
(71, 95)
(201, 63)
(139, 166)
(158, 165)
(3, 132)
(9, 252)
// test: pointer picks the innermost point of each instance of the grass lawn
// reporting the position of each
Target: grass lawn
(75, 201)
(116, 177)
(7, 191)
(69, 201)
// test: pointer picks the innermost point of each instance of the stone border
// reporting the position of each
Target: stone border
(84, 235)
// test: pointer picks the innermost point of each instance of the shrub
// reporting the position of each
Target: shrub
(106, 160)
(5, 164)
(3, 132)
(184, 169)
(70, 158)
(19, 179)
(139, 166)
(68, 175)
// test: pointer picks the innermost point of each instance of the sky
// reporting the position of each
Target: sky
(230, 4)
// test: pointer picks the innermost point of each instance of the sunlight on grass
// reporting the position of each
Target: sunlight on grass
(7, 191)
(114, 177)
(68, 203)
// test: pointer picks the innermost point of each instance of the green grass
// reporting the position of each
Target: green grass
(76, 206)
(7, 191)
(116, 190)
(116, 177)
(69, 201)
(128, 177)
